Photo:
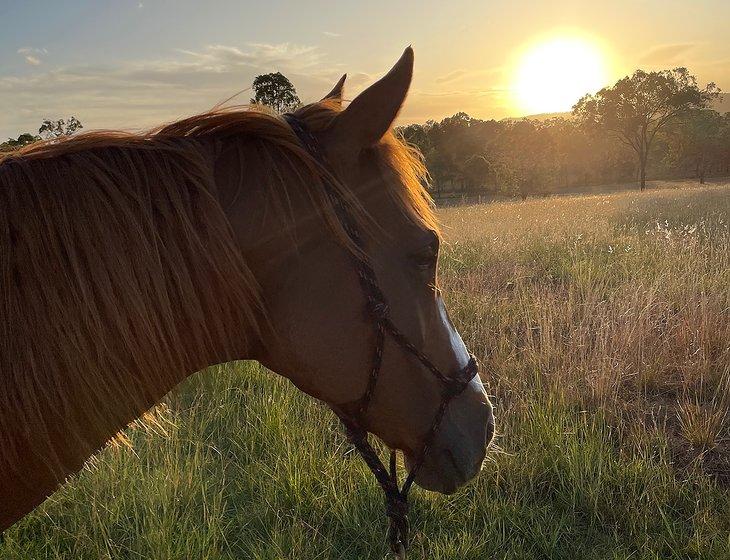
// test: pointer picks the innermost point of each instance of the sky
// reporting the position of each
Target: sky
(131, 64)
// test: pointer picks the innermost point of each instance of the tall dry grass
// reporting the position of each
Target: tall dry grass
(618, 303)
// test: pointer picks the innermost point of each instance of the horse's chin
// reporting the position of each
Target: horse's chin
(442, 472)
(460, 445)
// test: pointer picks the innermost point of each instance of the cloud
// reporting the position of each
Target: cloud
(665, 54)
(32, 55)
(221, 58)
(141, 93)
(494, 102)
(32, 50)
(471, 92)
(450, 77)
(331, 34)
(462, 74)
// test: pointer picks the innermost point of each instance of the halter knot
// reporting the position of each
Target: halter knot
(378, 309)
(454, 388)
(459, 382)
(396, 505)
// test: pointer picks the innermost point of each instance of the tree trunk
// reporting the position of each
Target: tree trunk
(643, 157)
(702, 170)
(642, 174)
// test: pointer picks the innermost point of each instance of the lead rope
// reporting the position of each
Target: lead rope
(396, 498)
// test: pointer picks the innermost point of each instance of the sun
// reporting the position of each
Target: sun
(554, 73)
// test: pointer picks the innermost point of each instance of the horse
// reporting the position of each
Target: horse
(131, 260)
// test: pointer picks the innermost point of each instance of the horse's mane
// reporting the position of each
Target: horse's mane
(118, 266)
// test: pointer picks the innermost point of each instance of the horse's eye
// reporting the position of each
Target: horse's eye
(425, 259)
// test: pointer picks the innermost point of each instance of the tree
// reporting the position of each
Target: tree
(640, 105)
(476, 171)
(276, 91)
(697, 139)
(417, 135)
(56, 129)
(525, 159)
(457, 151)
(723, 158)
(22, 140)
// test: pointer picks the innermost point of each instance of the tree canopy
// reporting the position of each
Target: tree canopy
(637, 107)
(60, 127)
(469, 156)
(698, 138)
(276, 91)
(22, 140)
(48, 130)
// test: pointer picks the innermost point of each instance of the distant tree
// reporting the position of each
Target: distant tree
(441, 169)
(476, 170)
(525, 159)
(417, 135)
(697, 139)
(276, 91)
(455, 140)
(22, 140)
(637, 107)
(724, 151)
(55, 129)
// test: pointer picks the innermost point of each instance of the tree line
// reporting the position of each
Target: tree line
(49, 129)
(650, 124)
(657, 124)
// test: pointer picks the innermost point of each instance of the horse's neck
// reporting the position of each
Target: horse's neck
(62, 431)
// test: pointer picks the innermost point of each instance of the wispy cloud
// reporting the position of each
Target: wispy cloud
(32, 55)
(450, 77)
(32, 50)
(471, 92)
(140, 93)
(665, 54)
(489, 102)
(144, 92)
(462, 74)
(286, 55)
(331, 34)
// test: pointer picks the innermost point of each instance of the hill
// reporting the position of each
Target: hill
(541, 116)
(721, 105)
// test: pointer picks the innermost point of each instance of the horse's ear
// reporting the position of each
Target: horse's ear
(336, 93)
(372, 113)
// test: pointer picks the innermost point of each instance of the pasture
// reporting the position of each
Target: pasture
(602, 325)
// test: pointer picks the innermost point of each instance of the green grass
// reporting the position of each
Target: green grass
(602, 324)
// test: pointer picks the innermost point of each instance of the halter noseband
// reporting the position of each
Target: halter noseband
(396, 498)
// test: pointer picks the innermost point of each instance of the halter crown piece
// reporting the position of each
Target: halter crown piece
(396, 498)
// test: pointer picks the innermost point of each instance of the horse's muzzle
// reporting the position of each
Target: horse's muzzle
(461, 444)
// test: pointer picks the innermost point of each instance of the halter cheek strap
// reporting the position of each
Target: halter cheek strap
(396, 498)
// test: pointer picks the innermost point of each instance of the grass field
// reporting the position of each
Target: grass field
(603, 324)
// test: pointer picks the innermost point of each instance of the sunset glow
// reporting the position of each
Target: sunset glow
(553, 74)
